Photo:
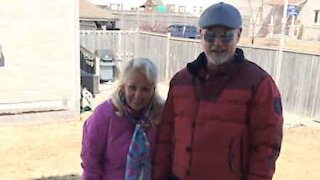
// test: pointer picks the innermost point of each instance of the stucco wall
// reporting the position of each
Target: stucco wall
(311, 30)
(40, 42)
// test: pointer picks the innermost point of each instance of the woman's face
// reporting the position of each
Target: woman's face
(138, 90)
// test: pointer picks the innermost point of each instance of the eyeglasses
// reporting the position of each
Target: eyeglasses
(225, 36)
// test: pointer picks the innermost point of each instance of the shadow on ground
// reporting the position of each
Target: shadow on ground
(65, 177)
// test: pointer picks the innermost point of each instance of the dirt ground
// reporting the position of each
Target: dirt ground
(52, 150)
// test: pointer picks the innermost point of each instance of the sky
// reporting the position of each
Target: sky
(139, 2)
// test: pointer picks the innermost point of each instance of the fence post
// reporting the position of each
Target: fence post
(97, 65)
(120, 46)
(317, 85)
(283, 34)
(167, 56)
(136, 42)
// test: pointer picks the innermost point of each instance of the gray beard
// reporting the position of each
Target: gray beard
(218, 60)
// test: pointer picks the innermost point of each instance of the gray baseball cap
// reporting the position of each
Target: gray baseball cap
(222, 14)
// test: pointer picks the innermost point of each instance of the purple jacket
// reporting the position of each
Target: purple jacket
(105, 142)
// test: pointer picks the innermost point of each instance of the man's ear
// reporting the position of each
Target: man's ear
(240, 32)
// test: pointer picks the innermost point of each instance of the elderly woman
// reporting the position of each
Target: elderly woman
(119, 137)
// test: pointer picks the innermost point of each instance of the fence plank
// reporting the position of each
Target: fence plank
(299, 76)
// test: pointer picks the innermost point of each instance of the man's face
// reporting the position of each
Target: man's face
(219, 43)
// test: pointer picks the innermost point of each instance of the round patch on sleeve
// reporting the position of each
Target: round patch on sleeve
(277, 107)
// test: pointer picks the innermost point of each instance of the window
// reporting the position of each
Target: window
(317, 16)
(200, 9)
(182, 9)
(191, 28)
(179, 28)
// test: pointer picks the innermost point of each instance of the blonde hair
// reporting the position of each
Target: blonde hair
(149, 69)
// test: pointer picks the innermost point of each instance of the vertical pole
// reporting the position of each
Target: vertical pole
(184, 15)
(152, 19)
(138, 18)
(136, 42)
(283, 33)
(122, 18)
(120, 33)
(167, 56)
(314, 104)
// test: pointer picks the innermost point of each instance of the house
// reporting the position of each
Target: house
(302, 21)
(93, 17)
(40, 79)
(308, 20)
(149, 6)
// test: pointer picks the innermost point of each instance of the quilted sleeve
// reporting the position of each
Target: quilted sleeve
(94, 144)
(265, 131)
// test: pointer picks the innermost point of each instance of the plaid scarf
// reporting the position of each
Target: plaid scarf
(138, 166)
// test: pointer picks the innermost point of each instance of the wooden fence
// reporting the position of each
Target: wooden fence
(296, 73)
(87, 61)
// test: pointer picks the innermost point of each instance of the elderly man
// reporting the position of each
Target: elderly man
(223, 116)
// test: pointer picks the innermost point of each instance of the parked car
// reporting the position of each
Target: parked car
(183, 30)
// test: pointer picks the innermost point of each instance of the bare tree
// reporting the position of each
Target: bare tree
(253, 20)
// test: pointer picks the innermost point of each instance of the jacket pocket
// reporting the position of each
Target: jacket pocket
(235, 155)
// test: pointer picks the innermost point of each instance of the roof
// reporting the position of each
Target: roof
(89, 11)
(149, 3)
(281, 2)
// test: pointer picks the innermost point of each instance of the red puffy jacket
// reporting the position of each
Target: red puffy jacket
(221, 125)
